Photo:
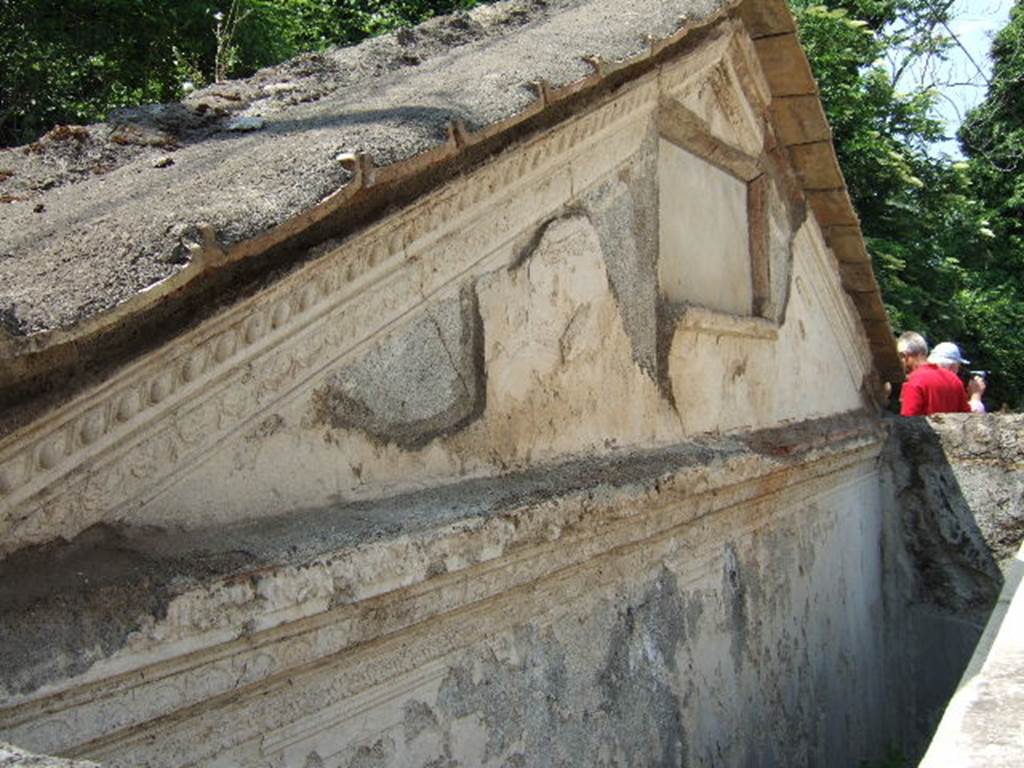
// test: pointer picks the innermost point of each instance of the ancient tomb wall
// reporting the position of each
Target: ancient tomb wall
(537, 309)
(490, 482)
(715, 603)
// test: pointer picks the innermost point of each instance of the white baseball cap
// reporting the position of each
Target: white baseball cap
(947, 352)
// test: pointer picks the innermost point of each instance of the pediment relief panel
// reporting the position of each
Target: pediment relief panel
(228, 388)
(156, 442)
(725, 91)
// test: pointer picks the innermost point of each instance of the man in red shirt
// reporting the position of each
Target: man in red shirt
(929, 388)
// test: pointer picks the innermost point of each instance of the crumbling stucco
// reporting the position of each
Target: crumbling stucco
(624, 213)
(13, 757)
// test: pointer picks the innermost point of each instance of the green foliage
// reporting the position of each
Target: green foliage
(72, 61)
(992, 138)
(936, 240)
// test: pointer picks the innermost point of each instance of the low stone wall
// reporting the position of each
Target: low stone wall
(981, 725)
(956, 499)
(986, 455)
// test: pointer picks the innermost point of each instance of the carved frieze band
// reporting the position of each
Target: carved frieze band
(136, 429)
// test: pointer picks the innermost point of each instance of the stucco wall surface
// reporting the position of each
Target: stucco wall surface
(479, 485)
(716, 604)
(750, 647)
(515, 317)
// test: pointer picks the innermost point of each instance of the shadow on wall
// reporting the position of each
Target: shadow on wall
(941, 578)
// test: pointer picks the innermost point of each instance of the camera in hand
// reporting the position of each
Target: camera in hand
(981, 374)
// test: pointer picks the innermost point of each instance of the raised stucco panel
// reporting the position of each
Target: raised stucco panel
(557, 355)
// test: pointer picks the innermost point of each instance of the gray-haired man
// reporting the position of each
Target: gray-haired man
(928, 389)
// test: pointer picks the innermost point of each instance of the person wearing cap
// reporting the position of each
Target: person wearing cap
(929, 388)
(947, 355)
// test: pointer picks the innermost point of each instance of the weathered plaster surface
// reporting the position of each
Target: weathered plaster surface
(392, 98)
(413, 385)
(698, 590)
(705, 253)
(476, 486)
(667, 663)
(13, 757)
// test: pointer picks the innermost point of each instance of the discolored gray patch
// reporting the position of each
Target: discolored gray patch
(638, 670)
(417, 718)
(376, 755)
(552, 701)
(624, 211)
(421, 382)
(667, 318)
(953, 567)
(64, 606)
(735, 591)
(517, 701)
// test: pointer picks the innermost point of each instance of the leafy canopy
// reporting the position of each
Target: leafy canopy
(72, 61)
(937, 242)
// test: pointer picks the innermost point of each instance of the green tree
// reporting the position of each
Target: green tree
(929, 234)
(72, 61)
(992, 137)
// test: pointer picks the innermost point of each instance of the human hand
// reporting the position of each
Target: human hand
(976, 387)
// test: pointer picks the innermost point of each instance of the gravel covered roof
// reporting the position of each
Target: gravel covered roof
(93, 215)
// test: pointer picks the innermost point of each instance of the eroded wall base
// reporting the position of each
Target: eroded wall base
(952, 485)
(715, 603)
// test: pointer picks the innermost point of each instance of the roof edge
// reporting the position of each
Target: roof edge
(45, 369)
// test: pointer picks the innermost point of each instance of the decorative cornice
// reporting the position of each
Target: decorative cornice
(135, 431)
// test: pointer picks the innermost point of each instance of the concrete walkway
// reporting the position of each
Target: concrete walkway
(984, 723)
